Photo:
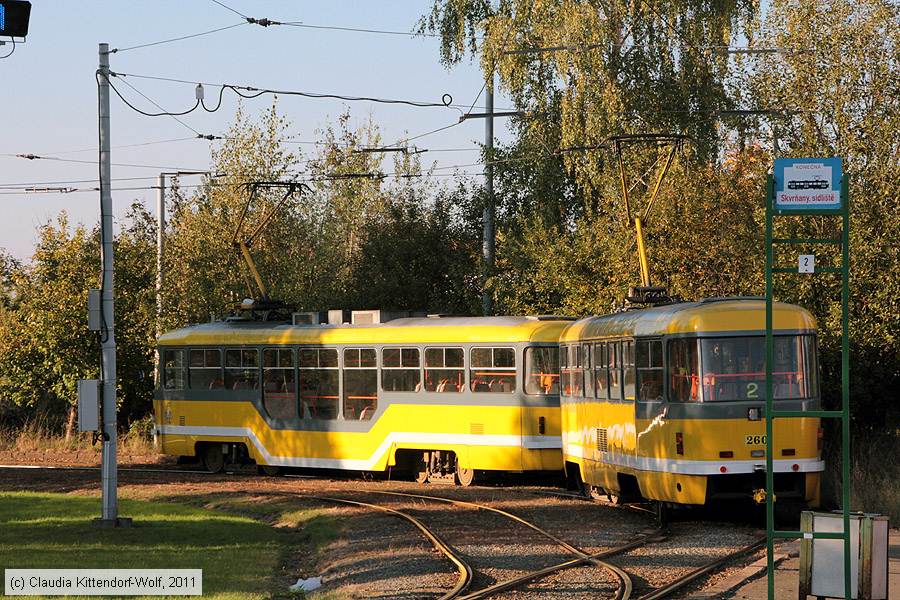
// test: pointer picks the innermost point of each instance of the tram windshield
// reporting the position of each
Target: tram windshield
(734, 368)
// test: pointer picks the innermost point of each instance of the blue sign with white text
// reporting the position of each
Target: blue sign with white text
(803, 184)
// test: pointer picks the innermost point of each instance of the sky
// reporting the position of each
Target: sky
(49, 96)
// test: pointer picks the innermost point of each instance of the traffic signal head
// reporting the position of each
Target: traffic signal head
(14, 15)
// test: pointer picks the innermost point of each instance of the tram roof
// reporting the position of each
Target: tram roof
(714, 315)
(409, 330)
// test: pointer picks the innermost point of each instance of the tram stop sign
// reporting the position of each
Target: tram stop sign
(808, 185)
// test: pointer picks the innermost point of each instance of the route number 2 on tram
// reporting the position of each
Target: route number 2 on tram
(753, 440)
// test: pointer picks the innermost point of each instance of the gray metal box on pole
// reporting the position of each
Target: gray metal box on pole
(95, 308)
(88, 405)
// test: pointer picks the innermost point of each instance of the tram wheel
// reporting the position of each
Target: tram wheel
(592, 492)
(269, 470)
(662, 513)
(610, 496)
(422, 470)
(213, 459)
(464, 477)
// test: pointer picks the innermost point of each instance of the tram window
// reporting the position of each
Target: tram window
(173, 369)
(241, 369)
(360, 383)
(601, 370)
(400, 370)
(565, 376)
(587, 363)
(648, 357)
(319, 383)
(684, 370)
(205, 370)
(577, 368)
(542, 370)
(493, 370)
(444, 370)
(279, 395)
(734, 368)
(614, 364)
(628, 375)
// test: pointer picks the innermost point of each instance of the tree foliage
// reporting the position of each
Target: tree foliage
(612, 68)
(376, 233)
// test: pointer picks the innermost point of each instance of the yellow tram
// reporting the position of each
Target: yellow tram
(667, 403)
(441, 397)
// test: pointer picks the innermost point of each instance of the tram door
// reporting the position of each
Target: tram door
(650, 405)
(623, 439)
(540, 412)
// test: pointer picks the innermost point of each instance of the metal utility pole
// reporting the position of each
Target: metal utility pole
(160, 242)
(108, 472)
(487, 242)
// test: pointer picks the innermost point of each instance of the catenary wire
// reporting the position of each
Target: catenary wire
(135, 145)
(9, 191)
(90, 162)
(410, 34)
(226, 7)
(258, 91)
(178, 39)
(153, 102)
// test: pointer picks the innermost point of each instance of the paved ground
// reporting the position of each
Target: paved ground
(786, 577)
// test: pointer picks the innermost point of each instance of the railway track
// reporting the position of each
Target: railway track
(464, 578)
(624, 588)
(460, 590)
(704, 570)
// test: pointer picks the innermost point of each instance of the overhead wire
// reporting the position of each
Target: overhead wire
(90, 162)
(24, 184)
(301, 24)
(178, 39)
(225, 6)
(151, 101)
(7, 191)
(410, 34)
(119, 147)
(446, 99)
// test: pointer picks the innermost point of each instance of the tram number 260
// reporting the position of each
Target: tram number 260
(755, 440)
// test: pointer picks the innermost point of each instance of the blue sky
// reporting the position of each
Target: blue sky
(49, 101)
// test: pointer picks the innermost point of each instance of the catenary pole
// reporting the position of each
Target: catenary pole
(487, 300)
(109, 475)
(160, 242)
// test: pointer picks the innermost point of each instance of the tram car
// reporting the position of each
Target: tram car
(667, 403)
(442, 398)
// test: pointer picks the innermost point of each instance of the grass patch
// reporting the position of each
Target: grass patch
(38, 436)
(874, 472)
(237, 554)
(319, 529)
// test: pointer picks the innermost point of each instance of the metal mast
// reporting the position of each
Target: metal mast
(109, 475)
(487, 242)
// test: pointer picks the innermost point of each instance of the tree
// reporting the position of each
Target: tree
(41, 359)
(840, 89)
(204, 271)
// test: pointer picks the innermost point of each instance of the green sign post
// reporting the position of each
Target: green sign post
(808, 186)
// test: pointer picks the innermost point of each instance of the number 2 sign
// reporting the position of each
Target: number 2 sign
(806, 263)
